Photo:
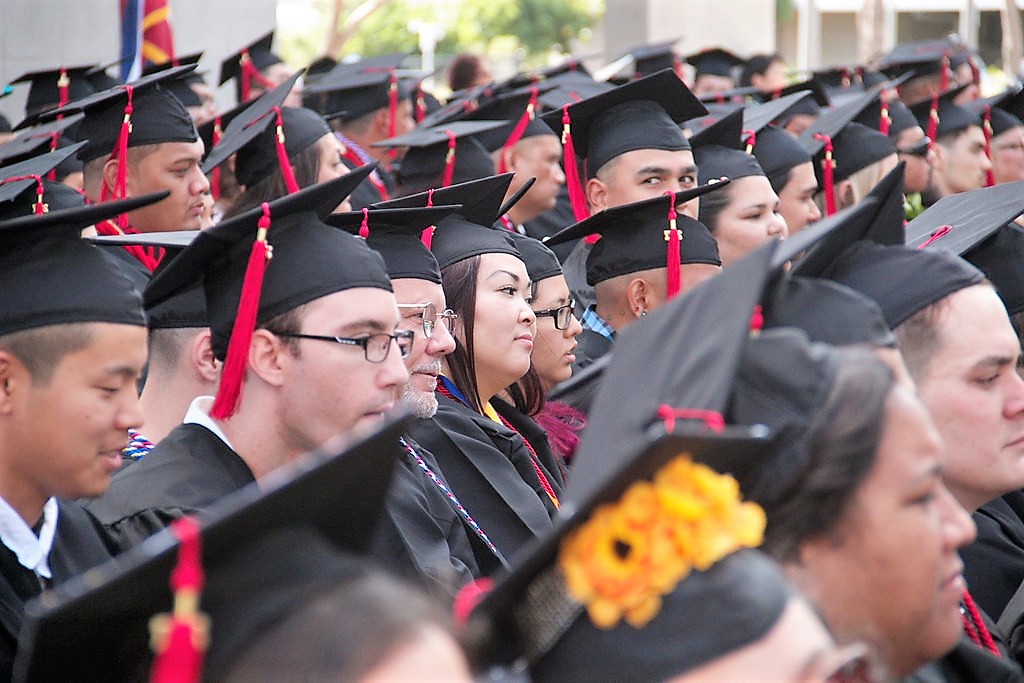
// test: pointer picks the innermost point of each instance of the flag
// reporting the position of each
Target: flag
(145, 36)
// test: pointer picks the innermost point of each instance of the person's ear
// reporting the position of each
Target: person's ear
(269, 357)
(597, 194)
(202, 359)
(638, 296)
(13, 375)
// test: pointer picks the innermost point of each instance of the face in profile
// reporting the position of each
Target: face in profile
(172, 166)
(553, 347)
(421, 305)
(796, 198)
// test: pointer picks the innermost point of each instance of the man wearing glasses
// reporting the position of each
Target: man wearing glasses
(427, 533)
(322, 359)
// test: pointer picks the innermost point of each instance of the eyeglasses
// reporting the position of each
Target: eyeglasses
(918, 149)
(562, 314)
(430, 316)
(375, 346)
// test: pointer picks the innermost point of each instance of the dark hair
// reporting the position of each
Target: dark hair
(41, 349)
(757, 65)
(459, 283)
(711, 205)
(289, 322)
(778, 179)
(527, 393)
(917, 337)
(463, 70)
(838, 452)
(1017, 320)
(341, 636)
(305, 167)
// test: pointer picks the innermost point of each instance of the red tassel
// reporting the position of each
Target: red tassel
(449, 160)
(427, 236)
(986, 128)
(757, 319)
(39, 207)
(63, 83)
(517, 133)
(468, 597)
(751, 137)
(421, 104)
(938, 233)
(883, 115)
(672, 251)
(827, 169)
(668, 415)
(120, 153)
(215, 174)
(250, 73)
(572, 174)
(180, 639)
(229, 393)
(392, 110)
(933, 120)
(282, 155)
(364, 227)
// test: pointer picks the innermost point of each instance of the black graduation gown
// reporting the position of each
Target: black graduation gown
(538, 438)
(590, 346)
(422, 537)
(967, 663)
(489, 468)
(186, 472)
(994, 563)
(574, 268)
(79, 544)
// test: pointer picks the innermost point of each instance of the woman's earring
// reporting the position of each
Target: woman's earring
(643, 314)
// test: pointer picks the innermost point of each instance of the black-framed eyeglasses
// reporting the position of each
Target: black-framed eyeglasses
(562, 315)
(918, 149)
(375, 346)
(431, 316)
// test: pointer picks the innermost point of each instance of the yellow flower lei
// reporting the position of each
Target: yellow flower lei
(632, 552)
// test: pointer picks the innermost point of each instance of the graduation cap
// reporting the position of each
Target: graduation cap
(186, 308)
(440, 156)
(34, 140)
(156, 116)
(714, 62)
(719, 151)
(645, 59)
(396, 234)
(571, 93)
(541, 262)
(940, 116)
(644, 235)
(17, 177)
(812, 106)
(959, 222)
(923, 58)
(469, 232)
(100, 79)
(245, 123)
(1001, 112)
(999, 257)
(181, 87)
(364, 87)
(877, 218)
(55, 196)
(310, 260)
(338, 493)
(891, 117)
(51, 276)
(758, 115)
(839, 77)
(826, 312)
(778, 153)
(246, 64)
(55, 87)
(519, 109)
(298, 129)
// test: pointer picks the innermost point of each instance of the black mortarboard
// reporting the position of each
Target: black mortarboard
(778, 152)
(643, 114)
(827, 312)
(518, 109)
(186, 308)
(838, 77)
(30, 169)
(311, 260)
(855, 147)
(33, 140)
(212, 132)
(831, 121)
(571, 93)
(898, 117)
(811, 106)
(257, 55)
(395, 234)
(56, 197)
(922, 58)
(877, 218)
(49, 275)
(469, 233)
(757, 115)
(960, 221)
(157, 116)
(649, 59)
(633, 236)
(181, 87)
(718, 151)
(714, 62)
(339, 495)
(45, 89)
(438, 157)
(951, 117)
(1002, 112)
(541, 262)
(259, 159)
(362, 87)
(999, 257)
(248, 120)
(716, 112)
(900, 279)
(100, 79)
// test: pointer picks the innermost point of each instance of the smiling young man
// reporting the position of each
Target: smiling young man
(323, 360)
(68, 365)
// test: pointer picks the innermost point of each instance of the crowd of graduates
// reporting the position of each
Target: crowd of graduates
(693, 372)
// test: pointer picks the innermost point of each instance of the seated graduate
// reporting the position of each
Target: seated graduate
(426, 532)
(325, 311)
(503, 473)
(72, 346)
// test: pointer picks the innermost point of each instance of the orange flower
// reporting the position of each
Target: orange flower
(631, 553)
